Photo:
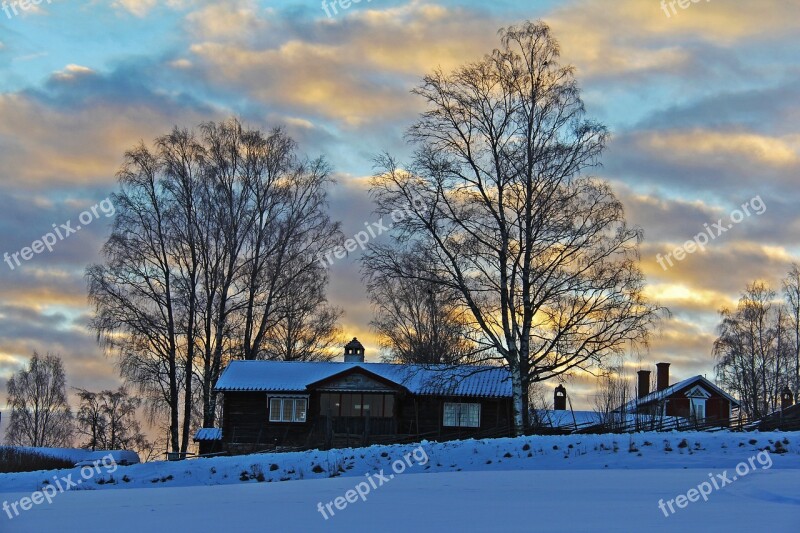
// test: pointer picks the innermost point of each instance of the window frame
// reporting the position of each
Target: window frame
(384, 406)
(283, 401)
(698, 408)
(459, 415)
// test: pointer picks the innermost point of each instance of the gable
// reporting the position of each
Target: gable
(697, 392)
(355, 380)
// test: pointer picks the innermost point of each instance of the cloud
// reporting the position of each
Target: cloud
(74, 131)
(354, 70)
(630, 36)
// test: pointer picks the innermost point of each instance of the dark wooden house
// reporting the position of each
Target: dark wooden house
(695, 399)
(330, 404)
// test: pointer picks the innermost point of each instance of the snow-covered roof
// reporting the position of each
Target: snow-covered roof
(204, 434)
(296, 376)
(669, 391)
(563, 418)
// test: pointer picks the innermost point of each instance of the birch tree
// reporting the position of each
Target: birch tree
(538, 251)
(753, 350)
(217, 233)
(37, 399)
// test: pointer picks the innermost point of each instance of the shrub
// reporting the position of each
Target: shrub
(16, 460)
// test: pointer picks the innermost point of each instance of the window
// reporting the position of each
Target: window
(356, 405)
(699, 408)
(287, 409)
(466, 415)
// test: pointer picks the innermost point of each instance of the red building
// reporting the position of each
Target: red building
(695, 398)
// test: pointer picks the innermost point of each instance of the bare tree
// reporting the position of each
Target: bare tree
(419, 321)
(40, 414)
(791, 291)
(612, 394)
(540, 254)
(216, 232)
(753, 350)
(308, 329)
(136, 294)
(108, 420)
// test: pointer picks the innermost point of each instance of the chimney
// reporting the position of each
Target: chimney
(353, 352)
(644, 383)
(560, 398)
(787, 399)
(662, 376)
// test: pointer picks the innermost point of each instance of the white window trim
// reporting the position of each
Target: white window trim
(460, 422)
(698, 392)
(695, 404)
(284, 398)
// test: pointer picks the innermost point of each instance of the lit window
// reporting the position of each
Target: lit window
(287, 409)
(462, 415)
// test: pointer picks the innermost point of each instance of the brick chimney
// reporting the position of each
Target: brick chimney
(560, 398)
(644, 383)
(354, 352)
(662, 376)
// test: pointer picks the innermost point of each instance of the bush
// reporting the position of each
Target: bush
(16, 460)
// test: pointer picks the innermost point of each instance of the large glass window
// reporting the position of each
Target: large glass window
(351, 405)
(287, 409)
(329, 404)
(356, 404)
(462, 415)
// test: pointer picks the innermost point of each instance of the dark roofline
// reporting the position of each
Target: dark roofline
(304, 388)
(357, 370)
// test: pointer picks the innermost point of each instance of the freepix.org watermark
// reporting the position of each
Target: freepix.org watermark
(59, 485)
(715, 482)
(59, 233)
(373, 230)
(12, 9)
(711, 232)
(332, 8)
(374, 481)
(666, 6)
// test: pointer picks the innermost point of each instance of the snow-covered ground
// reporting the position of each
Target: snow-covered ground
(567, 483)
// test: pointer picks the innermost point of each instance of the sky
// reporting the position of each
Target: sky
(702, 102)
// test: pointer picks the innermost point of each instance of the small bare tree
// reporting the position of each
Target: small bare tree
(40, 414)
(108, 420)
(419, 321)
(612, 395)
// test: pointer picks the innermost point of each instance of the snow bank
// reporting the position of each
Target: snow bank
(720, 450)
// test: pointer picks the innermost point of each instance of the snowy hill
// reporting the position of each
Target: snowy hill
(569, 452)
(641, 482)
